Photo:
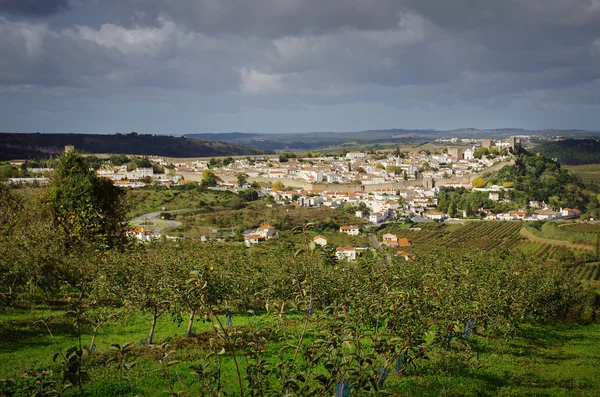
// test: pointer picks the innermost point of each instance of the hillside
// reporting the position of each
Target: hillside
(25, 146)
(572, 151)
(540, 178)
(322, 139)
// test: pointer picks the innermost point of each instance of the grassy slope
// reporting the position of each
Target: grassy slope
(143, 201)
(588, 172)
(553, 359)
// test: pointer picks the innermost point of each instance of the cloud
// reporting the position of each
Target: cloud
(34, 7)
(298, 54)
(256, 83)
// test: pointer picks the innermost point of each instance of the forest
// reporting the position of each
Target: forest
(26, 146)
(571, 151)
(87, 311)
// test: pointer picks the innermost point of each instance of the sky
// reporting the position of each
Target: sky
(279, 66)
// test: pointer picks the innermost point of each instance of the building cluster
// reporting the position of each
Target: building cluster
(356, 167)
(137, 177)
(374, 207)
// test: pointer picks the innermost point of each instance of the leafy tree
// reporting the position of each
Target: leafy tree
(394, 168)
(85, 208)
(452, 209)
(209, 178)
(8, 171)
(278, 185)
(478, 182)
(242, 179)
(118, 159)
(285, 156)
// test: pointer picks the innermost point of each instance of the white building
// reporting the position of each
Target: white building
(351, 230)
(320, 240)
(348, 253)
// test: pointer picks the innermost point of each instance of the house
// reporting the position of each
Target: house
(405, 254)
(348, 253)
(320, 240)
(468, 154)
(267, 231)
(494, 196)
(141, 234)
(252, 239)
(570, 212)
(351, 230)
(376, 217)
(435, 215)
(389, 237)
(390, 240)
(546, 215)
(28, 181)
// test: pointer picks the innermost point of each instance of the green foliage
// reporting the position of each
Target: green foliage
(285, 156)
(10, 171)
(242, 179)
(478, 182)
(85, 208)
(209, 178)
(394, 168)
(21, 145)
(542, 179)
(571, 151)
(119, 159)
(464, 199)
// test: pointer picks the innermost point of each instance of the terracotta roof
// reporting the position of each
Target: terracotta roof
(348, 248)
(256, 236)
(403, 242)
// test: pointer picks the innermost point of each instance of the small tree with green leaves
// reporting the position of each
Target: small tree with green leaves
(85, 208)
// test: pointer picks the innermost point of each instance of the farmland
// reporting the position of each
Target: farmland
(588, 272)
(478, 234)
(588, 172)
(87, 311)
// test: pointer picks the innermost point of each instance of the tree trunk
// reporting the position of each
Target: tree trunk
(92, 346)
(154, 317)
(190, 322)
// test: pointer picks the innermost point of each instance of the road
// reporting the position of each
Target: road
(374, 241)
(377, 246)
(159, 224)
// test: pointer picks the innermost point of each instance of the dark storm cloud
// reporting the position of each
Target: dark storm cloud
(34, 8)
(300, 53)
(275, 18)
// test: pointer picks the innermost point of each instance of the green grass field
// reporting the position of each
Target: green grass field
(143, 201)
(588, 172)
(552, 359)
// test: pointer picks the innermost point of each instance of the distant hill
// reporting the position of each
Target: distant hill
(323, 139)
(571, 151)
(25, 146)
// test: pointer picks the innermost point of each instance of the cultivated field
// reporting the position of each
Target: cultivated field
(588, 172)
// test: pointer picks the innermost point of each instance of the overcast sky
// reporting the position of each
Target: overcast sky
(182, 66)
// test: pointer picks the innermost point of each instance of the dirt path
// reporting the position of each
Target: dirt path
(530, 236)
